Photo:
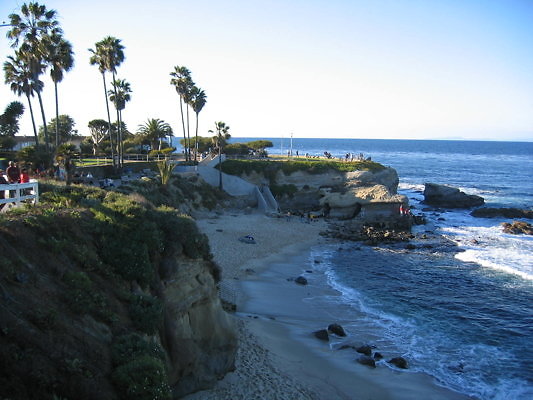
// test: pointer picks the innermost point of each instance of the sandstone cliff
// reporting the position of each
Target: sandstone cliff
(108, 298)
(339, 192)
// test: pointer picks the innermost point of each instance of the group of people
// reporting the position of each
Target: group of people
(12, 175)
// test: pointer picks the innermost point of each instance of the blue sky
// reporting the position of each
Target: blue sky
(314, 68)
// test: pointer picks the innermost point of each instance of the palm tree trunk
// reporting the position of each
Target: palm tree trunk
(196, 140)
(118, 119)
(108, 120)
(121, 143)
(183, 125)
(57, 115)
(33, 122)
(188, 134)
(46, 141)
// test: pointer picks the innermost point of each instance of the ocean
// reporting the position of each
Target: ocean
(464, 316)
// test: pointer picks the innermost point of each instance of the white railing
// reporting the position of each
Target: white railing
(22, 192)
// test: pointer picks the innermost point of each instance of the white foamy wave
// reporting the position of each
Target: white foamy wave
(489, 247)
(416, 187)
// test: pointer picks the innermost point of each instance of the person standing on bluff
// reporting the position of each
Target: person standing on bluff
(13, 173)
(13, 176)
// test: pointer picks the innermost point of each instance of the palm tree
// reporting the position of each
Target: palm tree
(153, 130)
(60, 58)
(221, 137)
(18, 77)
(120, 96)
(182, 82)
(30, 33)
(198, 102)
(108, 54)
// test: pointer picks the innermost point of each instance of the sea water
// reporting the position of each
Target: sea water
(464, 317)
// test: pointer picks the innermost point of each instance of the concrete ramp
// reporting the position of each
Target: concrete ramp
(235, 186)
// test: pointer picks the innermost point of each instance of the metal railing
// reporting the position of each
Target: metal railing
(17, 193)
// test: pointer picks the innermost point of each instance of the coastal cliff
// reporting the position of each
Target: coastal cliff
(339, 189)
(108, 296)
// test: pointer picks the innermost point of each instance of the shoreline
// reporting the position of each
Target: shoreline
(278, 356)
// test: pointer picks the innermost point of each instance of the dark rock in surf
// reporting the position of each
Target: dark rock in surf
(450, 197)
(489, 212)
(322, 334)
(366, 360)
(399, 362)
(301, 280)
(366, 350)
(518, 228)
(378, 356)
(336, 329)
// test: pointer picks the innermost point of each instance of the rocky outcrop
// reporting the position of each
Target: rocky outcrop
(517, 228)
(450, 197)
(489, 212)
(340, 195)
(348, 203)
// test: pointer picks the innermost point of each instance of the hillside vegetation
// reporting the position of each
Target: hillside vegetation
(82, 287)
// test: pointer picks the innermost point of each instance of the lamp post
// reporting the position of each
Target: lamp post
(290, 153)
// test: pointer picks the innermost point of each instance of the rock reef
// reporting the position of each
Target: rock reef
(450, 197)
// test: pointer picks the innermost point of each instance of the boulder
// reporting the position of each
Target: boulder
(301, 280)
(322, 334)
(399, 362)
(336, 329)
(366, 350)
(450, 197)
(490, 212)
(517, 228)
(366, 360)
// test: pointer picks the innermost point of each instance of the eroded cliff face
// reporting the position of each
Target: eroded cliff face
(198, 336)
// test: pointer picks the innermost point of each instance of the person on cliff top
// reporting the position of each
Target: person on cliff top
(13, 173)
(13, 176)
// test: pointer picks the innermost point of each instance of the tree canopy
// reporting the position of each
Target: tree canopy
(65, 128)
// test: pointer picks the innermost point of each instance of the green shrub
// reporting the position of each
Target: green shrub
(130, 346)
(79, 292)
(146, 313)
(83, 298)
(143, 378)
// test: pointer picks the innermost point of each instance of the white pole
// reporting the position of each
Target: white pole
(291, 145)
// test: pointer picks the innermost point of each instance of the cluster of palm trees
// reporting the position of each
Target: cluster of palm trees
(108, 54)
(194, 98)
(39, 45)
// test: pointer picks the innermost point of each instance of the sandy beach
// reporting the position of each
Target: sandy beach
(272, 361)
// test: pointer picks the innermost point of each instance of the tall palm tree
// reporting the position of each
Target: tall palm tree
(181, 80)
(60, 58)
(18, 77)
(120, 95)
(98, 58)
(199, 99)
(221, 137)
(30, 33)
(108, 55)
(153, 131)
